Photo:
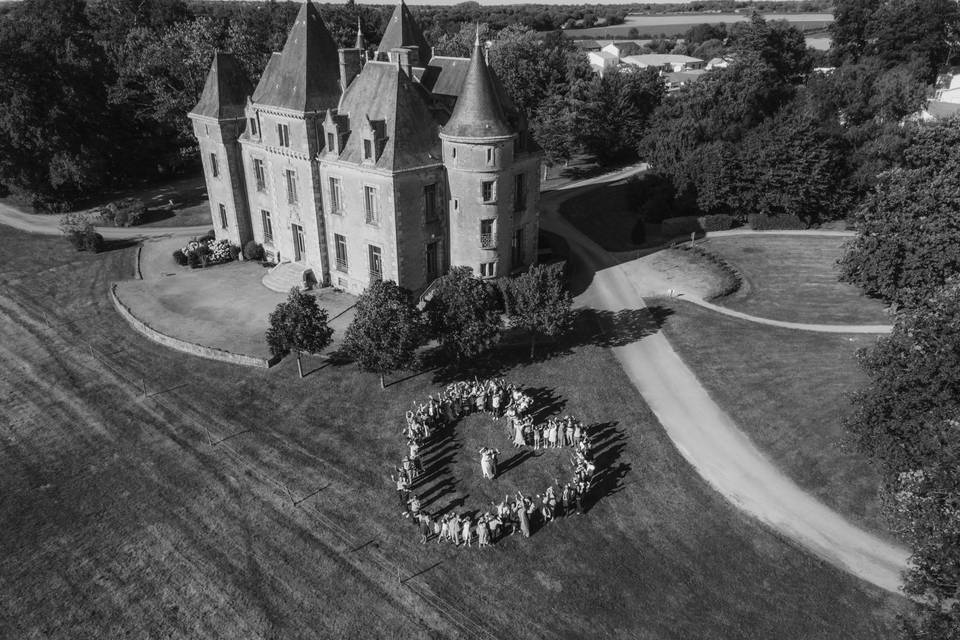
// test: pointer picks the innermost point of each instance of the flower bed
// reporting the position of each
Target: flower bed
(205, 252)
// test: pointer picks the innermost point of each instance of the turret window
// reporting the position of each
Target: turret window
(223, 217)
(490, 156)
(487, 239)
(253, 127)
(283, 135)
(214, 166)
(488, 190)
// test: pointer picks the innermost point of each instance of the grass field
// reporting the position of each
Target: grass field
(787, 390)
(675, 25)
(237, 502)
(793, 278)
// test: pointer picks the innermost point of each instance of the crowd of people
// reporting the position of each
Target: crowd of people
(518, 514)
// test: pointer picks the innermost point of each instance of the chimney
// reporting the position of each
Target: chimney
(407, 58)
(351, 60)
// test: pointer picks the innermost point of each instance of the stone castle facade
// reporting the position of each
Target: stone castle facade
(357, 167)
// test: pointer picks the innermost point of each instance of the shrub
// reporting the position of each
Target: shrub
(253, 251)
(92, 241)
(778, 222)
(234, 252)
(209, 235)
(716, 222)
(124, 213)
(193, 259)
(680, 226)
(180, 257)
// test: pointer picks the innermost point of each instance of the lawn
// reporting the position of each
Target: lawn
(787, 391)
(237, 502)
(793, 278)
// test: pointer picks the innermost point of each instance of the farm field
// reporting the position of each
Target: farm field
(677, 24)
(794, 278)
(788, 391)
(234, 502)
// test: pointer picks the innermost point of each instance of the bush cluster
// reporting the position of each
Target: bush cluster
(205, 252)
(80, 232)
(253, 251)
(778, 222)
(716, 222)
(127, 212)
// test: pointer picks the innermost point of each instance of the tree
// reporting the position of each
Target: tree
(614, 114)
(463, 314)
(905, 420)
(53, 120)
(538, 301)
(386, 330)
(779, 44)
(298, 325)
(909, 236)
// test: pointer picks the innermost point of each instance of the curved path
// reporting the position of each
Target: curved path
(820, 328)
(710, 440)
(48, 225)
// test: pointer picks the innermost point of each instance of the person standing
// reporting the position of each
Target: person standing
(467, 533)
(524, 518)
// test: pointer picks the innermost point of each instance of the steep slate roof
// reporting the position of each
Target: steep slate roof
(403, 31)
(383, 92)
(306, 76)
(225, 91)
(478, 112)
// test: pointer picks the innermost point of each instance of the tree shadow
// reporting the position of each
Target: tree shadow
(117, 244)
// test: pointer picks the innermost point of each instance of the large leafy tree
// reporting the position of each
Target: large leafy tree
(53, 122)
(386, 330)
(615, 111)
(463, 314)
(777, 43)
(300, 325)
(909, 236)
(538, 302)
(906, 420)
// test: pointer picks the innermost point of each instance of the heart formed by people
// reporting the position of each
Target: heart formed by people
(430, 425)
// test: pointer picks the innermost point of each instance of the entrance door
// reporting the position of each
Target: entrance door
(299, 245)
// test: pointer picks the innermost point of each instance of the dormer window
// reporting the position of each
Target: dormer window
(253, 127)
(331, 142)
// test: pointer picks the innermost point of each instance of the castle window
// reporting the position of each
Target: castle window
(340, 247)
(331, 143)
(376, 263)
(291, 186)
(488, 190)
(223, 217)
(430, 202)
(283, 135)
(336, 196)
(267, 225)
(487, 239)
(367, 149)
(519, 192)
(433, 260)
(371, 205)
(488, 269)
(260, 174)
(253, 127)
(516, 248)
(214, 166)
(453, 152)
(489, 156)
(456, 204)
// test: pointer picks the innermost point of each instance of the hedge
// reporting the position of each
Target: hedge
(779, 222)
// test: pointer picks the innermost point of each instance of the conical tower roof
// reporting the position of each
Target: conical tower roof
(225, 91)
(307, 75)
(403, 31)
(360, 43)
(478, 112)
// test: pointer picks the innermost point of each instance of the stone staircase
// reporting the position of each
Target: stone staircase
(288, 275)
